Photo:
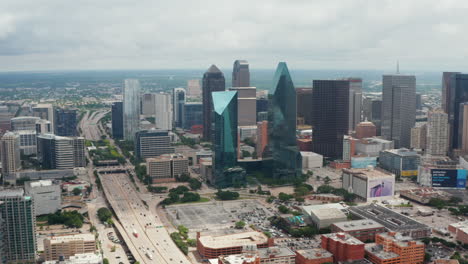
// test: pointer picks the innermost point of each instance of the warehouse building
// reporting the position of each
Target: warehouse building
(323, 215)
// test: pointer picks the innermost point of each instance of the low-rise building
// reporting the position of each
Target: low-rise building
(423, 195)
(209, 246)
(86, 258)
(402, 162)
(166, 168)
(460, 231)
(370, 183)
(364, 230)
(46, 194)
(393, 248)
(344, 247)
(276, 255)
(323, 215)
(371, 147)
(311, 160)
(441, 172)
(66, 246)
(313, 256)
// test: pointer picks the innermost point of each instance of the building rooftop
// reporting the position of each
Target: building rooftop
(369, 173)
(378, 251)
(68, 238)
(40, 183)
(238, 259)
(358, 224)
(386, 217)
(328, 213)
(11, 192)
(345, 238)
(374, 140)
(402, 152)
(314, 253)
(309, 208)
(234, 240)
(264, 253)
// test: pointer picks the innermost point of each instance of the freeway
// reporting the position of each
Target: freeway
(135, 218)
(89, 124)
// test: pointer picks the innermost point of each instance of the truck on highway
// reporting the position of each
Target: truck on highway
(149, 255)
(135, 233)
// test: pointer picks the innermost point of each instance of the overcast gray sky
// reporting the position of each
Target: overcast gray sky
(308, 34)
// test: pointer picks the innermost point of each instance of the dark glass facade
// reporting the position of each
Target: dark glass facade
(65, 122)
(117, 120)
(213, 81)
(282, 153)
(192, 115)
(458, 94)
(304, 107)
(330, 100)
(225, 138)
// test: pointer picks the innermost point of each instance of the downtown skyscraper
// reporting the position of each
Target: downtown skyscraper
(282, 150)
(178, 102)
(131, 108)
(398, 108)
(65, 121)
(213, 81)
(163, 113)
(455, 93)
(241, 74)
(117, 120)
(330, 116)
(437, 133)
(355, 102)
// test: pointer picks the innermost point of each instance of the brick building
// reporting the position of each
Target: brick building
(393, 248)
(364, 230)
(460, 230)
(343, 246)
(313, 256)
(365, 130)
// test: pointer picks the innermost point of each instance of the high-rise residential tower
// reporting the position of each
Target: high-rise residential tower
(131, 108)
(398, 108)
(17, 211)
(117, 120)
(10, 156)
(241, 74)
(437, 133)
(213, 81)
(65, 121)
(178, 102)
(282, 148)
(355, 102)
(163, 111)
(330, 119)
(225, 137)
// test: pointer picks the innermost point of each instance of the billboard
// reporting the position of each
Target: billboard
(380, 187)
(363, 162)
(449, 178)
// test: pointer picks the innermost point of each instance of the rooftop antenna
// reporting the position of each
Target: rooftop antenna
(398, 67)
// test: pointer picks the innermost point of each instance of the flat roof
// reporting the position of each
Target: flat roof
(275, 251)
(378, 251)
(328, 213)
(373, 173)
(314, 253)
(11, 192)
(237, 259)
(345, 238)
(386, 217)
(358, 224)
(234, 240)
(308, 208)
(40, 183)
(68, 238)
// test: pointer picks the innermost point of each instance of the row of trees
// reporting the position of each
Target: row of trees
(69, 219)
(181, 194)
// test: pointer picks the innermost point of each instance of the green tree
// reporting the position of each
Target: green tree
(240, 224)
(76, 191)
(104, 214)
(283, 209)
(226, 195)
(105, 261)
(195, 184)
(190, 197)
(284, 196)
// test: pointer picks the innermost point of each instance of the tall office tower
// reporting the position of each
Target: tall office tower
(437, 133)
(376, 115)
(418, 101)
(192, 115)
(282, 146)
(117, 120)
(44, 111)
(178, 102)
(43, 126)
(225, 137)
(28, 140)
(213, 81)
(5, 117)
(419, 137)
(241, 74)
(24, 123)
(55, 152)
(131, 108)
(304, 108)
(355, 102)
(262, 137)
(10, 156)
(148, 103)
(463, 131)
(193, 88)
(152, 143)
(398, 108)
(330, 118)
(457, 93)
(247, 105)
(447, 78)
(367, 108)
(163, 111)
(19, 236)
(65, 122)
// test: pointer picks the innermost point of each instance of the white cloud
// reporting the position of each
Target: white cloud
(340, 34)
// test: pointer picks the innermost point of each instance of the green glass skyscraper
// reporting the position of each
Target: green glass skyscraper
(225, 140)
(282, 152)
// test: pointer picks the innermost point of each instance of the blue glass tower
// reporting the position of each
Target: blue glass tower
(282, 151)
(225, 139)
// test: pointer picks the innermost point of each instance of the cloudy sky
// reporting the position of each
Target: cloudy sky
(171, 34)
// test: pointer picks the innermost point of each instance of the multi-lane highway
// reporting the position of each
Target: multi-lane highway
(146, 236)
(89, 125)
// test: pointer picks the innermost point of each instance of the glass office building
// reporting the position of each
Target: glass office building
(131, 108)
(117, 120)
(282, 148)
